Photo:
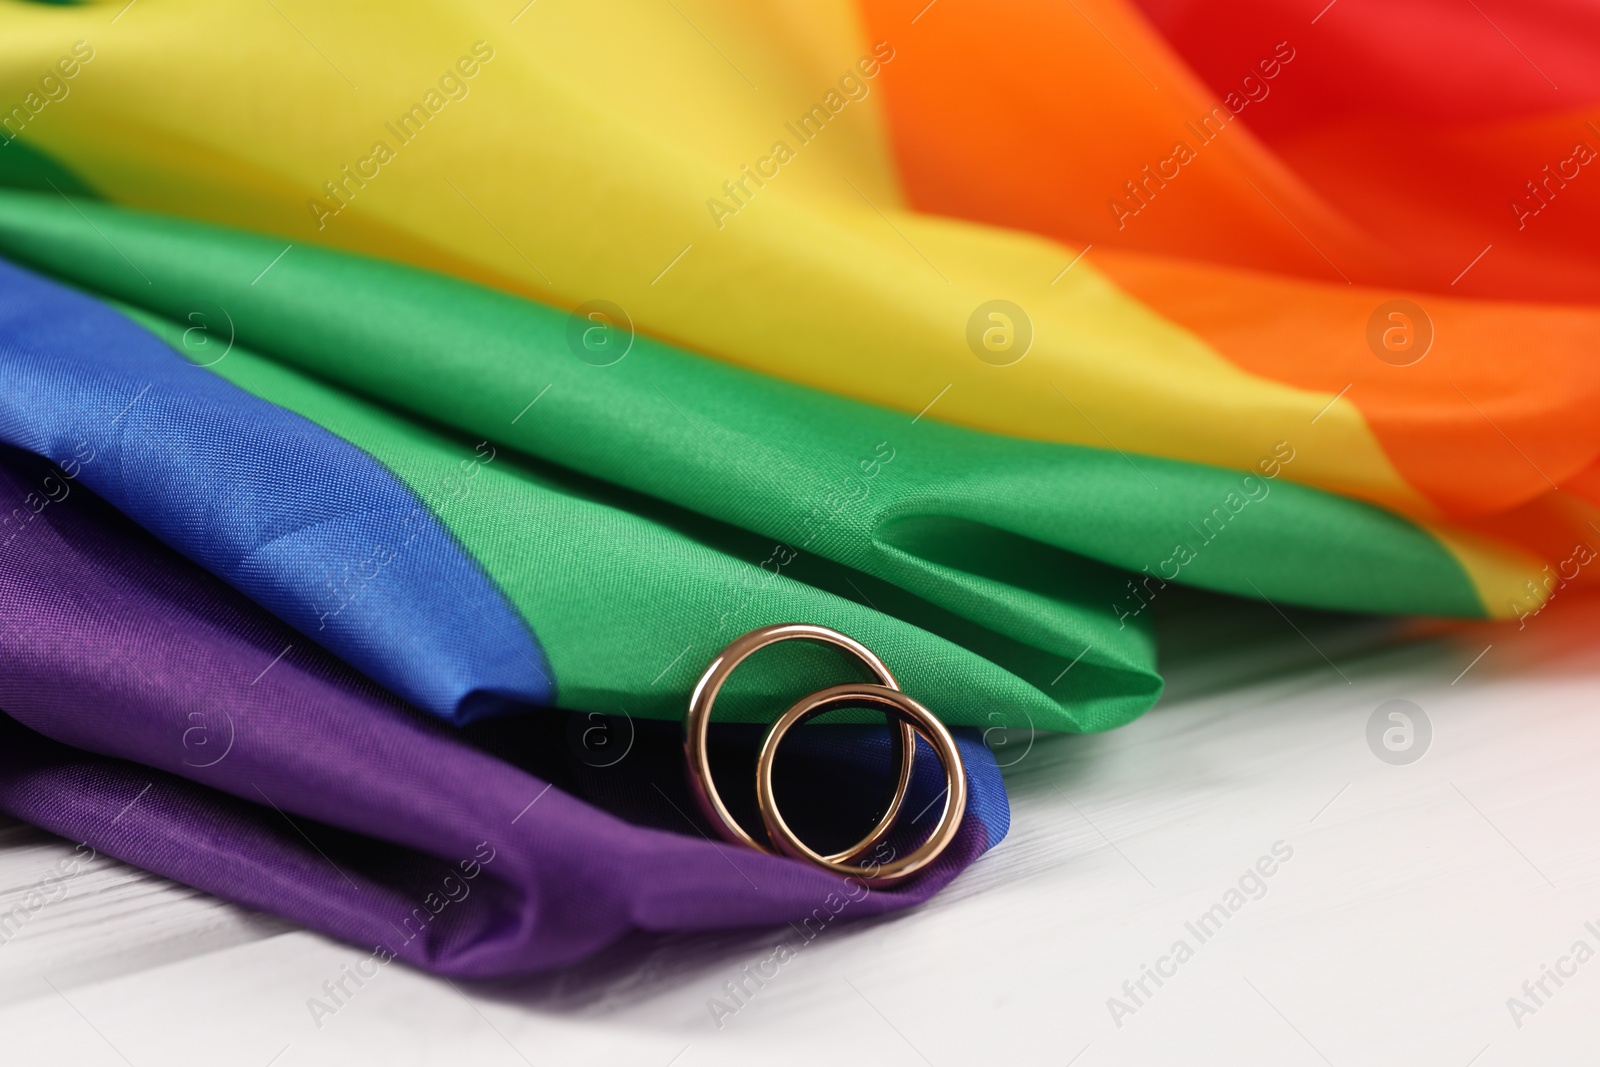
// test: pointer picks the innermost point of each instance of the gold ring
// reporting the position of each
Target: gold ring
(698, 721)
(910, 713)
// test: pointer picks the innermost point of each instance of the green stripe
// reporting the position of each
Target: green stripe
(24, 167)
(634, 503)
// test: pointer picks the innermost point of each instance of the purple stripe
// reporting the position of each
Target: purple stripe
(281, 780)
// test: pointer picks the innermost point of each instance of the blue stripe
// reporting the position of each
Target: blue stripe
(298, 519)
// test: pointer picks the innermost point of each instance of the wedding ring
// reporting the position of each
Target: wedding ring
(698, 721)
(911, 714)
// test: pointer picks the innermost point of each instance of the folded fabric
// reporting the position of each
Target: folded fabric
(193, 734)
(519, 360)
(841, 198)
(981, 567)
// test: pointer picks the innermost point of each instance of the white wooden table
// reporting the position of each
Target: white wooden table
(1417, 900)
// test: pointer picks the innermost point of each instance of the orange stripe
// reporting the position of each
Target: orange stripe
(1496, 413)
(986, 126)
(1037, 115)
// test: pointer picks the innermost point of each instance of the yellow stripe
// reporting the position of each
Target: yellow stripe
(1500, 572)
(580, 165)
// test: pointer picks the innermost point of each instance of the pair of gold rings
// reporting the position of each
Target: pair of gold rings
(912, 718)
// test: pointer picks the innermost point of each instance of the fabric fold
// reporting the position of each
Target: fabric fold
(985, 565)
(166, 720)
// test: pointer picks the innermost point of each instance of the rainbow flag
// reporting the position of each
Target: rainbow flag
(524, 354)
